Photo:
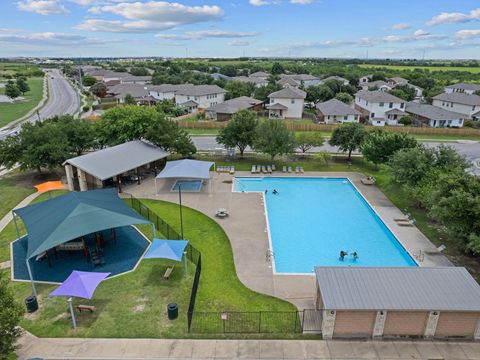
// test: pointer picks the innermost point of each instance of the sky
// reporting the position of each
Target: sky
(430, 29)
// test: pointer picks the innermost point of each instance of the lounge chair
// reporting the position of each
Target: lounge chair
(301, 169)
(273, 167)
(297, 170)
(401, 219)
(284, 169)
(259, 169)
(264, 169)
(232, 170)
(168, 273)
(269, 169)
(368, 180)
(254, 169)
(436, 251)
(289, 169)
(405, 223)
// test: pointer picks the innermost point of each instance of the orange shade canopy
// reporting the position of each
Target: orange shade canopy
(49, 185)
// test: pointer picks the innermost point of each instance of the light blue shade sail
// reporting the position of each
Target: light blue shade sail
(80, 284)
(166, 249)
(187, 169)
(64, 218)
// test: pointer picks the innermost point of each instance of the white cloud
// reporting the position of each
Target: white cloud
(454, 17)
(401, 26)
(149, 16)
(421, 33)
(264, 2)
(302, 2)
(240, 43)
(42, 7)
(50, 38)
(196, 35)
(467, 34)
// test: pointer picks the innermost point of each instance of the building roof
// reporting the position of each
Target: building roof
(189, 103)
(378, 84)
(288, 80)
(168, 88)
(259, 74)
(464, 86)
(398, 80)
(378, 96)
(289, 93)
(186, 169)
(459, 98)
(277, 106)
(233, 105)
(395, 112)
(109, 162)
(131, 78)
(431, 112)
(398, 288)
(336, 107)
(337, 78)
(121, 90)
(200, 90)
(300, 77)
(253, 80)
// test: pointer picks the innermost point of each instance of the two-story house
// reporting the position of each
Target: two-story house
(468, 105)
(335, 111)
(463, 88)
(380, 107)
(306, 80)
(204, 95)
(286, 103)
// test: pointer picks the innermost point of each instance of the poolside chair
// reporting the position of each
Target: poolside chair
(289, 169)
(273, 167)
(368, 180)
(284, 169)
(269, 169)
(259, 170)
(254, 169)
(232, 170)
(405, 223)
(436, 251)
(301, 169)
(297, 170)
(264, 169)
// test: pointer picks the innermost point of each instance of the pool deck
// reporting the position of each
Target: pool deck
(246, 228)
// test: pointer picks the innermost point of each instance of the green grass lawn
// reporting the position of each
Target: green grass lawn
(11, 112)
(474, 70)
(11, 193)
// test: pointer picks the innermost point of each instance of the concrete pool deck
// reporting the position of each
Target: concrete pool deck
(246, 228)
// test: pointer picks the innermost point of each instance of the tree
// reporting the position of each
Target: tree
(10, 313)
(236, 89)
(228, 70)
(404, 92)
(379, 146)
(477, 92)
(170, 137)
(273, 138)
(99, 89)
(348, 137)
(262, 92)
(88, 80)
(12, 90)
(410, 166)
(306, 140)
(129, 100)
(277, 69)
(240, 131)
(22, 85)
(80, 133)
(378, 76)
(139, 71)
(319, 93)
(324, 156)
(344, 97)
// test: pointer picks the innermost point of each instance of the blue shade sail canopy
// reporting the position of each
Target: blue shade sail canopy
(189, 169)
(61, 219)
(80, 284)
(166, 249)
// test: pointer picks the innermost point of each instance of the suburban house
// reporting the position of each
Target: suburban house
(468, 105)
(132, 79)
(289, 82)
(166, 91)
(463, 88)
(335, 111)
(380, 107)
(337, 78)
(306, 80)
(138, 92)
(108, 76)
(204, 95)
(218, 76)
(433, 116)
(259, 74)
(376, 85)
(257, 81)
(397, 80)
(365, 79)
(286, 103)
(225, 110)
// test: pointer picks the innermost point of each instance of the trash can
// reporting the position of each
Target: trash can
(31, 303)
(172, 311)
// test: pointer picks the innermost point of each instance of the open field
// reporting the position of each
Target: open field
(473, 70)
(10, 69)
(11, 112)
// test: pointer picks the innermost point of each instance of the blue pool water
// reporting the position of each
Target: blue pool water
(312, 219)
(187, 185)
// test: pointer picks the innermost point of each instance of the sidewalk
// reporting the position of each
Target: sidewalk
(241, 349)
(8, 217)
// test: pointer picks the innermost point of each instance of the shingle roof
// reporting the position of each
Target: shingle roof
(109, 162)
(121, 90)
(378, 96)
(336, 107)
(399, 80)
(233, 105)
(398, 288)
(464, 86)
(136, 78)
(459, 98)
(259, 74)
(289, 81)
(337, 78)
(167, 88)
(289, 93)
(277, 106)
(300, 77)
(253, 80)
(432, 112)
(378, 84)
(395, 112)
(200, 90)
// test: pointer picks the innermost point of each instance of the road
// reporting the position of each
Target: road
(63, 99)
(469, 149)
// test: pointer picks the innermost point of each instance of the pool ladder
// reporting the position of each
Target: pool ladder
(269, 255)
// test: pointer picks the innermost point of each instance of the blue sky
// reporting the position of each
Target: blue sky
(207, 28)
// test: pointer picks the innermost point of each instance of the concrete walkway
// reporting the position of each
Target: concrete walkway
(241, 349)
(9, 217)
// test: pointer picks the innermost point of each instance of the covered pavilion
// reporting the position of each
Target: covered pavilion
(186, 169)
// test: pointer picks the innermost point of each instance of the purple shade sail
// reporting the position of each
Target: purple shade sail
(80, 284)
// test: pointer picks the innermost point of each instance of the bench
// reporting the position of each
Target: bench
(168, 272)
(90, 308)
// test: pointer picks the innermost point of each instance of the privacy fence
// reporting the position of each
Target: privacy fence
(228, 322)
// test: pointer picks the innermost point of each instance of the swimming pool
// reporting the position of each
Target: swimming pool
(312, 219)
(187, 185)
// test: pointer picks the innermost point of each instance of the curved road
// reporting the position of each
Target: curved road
(63, 99)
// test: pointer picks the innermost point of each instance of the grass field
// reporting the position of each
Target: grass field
(11, 112)
(473, 70)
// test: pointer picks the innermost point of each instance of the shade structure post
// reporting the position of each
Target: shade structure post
(185, 263)
(154, 231)
(72, 313)
(181, 213)
(34, 290)
(16, 225)
(156, 188)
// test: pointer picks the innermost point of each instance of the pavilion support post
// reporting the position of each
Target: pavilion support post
(156, 188)
(185, 263)
(181, 212)
(154, 231)
(16, 225)
(34, 290)
(138, 176)
(72, 313)
(69, 174)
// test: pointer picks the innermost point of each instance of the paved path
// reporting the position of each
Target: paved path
(242, 349)
(7, 218)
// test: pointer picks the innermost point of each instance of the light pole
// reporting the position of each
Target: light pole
(181, 214)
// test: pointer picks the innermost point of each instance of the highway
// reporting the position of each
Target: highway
(63, 99)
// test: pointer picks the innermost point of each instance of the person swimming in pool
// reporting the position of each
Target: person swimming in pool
(343, 254)
(355, 255)
(275, 192)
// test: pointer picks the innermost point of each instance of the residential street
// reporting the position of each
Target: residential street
(62, 100)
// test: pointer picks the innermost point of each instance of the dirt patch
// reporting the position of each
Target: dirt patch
(141, 303)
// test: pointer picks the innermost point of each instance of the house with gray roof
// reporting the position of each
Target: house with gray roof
(224, 111)
(306, 80)
(289, 82)
(286, 103)
(140, 93)
(464, 88)
(205, 95)
(380, 107)
(335, 111)
(377, 85)
(257, 81)
(466, 104)
(337, 78)
(259, 74)
(433, 116)
(417, 301)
